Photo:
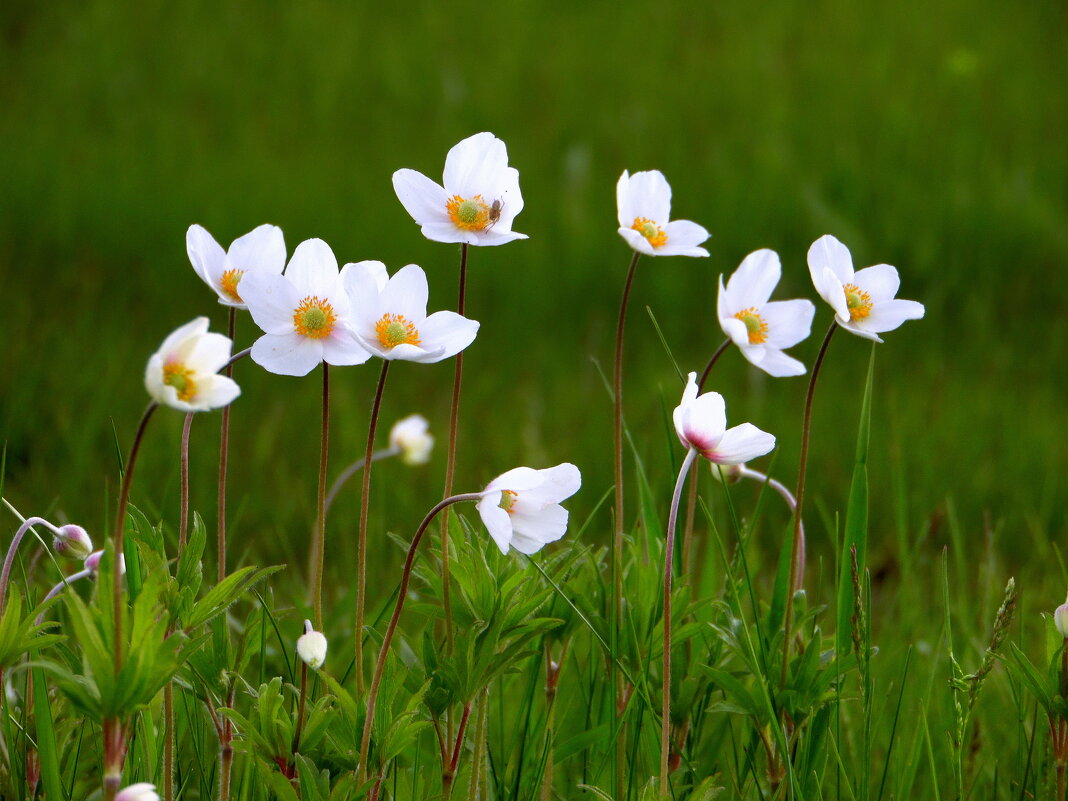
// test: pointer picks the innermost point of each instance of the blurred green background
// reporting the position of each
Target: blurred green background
(927, 135)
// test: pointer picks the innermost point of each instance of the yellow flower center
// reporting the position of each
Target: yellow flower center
(754, 324)
(469, 215)
(229, 281)
(314, 318)
(396, 329)
(508, 500)
(858, 301)
(180, 377)
(650, 230)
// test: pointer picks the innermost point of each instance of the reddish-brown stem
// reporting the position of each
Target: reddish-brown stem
(183, 513)
(455, 762)
(301, 708)
(319, 544)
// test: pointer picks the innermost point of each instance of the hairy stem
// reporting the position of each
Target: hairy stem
(319, 544)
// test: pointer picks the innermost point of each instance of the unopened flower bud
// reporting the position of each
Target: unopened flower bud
(728, 473)
(1060, 618)
(411, 437)
(92, 562)
(138, 792)
(72, 541)
(311, 647)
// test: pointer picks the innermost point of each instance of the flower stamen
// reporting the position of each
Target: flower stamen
(469, 215)
(396, 329)
(180, 377)
(755, 325)
(314, 318)
(508, 498)
(858, 301)
(229, 281)
(650, 230)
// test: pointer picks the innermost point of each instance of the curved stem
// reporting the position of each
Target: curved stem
(352, 469)
(241, 354)
(183, 518)
(56, 590)
(669, 553)
(119, 539)
(387, 639)
(9, 560)
(791, 502)
(365, 498)
(797, 557)
(450, 462)
(712, 363)
(319, 543)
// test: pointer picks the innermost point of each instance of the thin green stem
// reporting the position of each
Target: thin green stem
(669, 569)
(319, 544)
(224, 452)
(797, 556)
(365, 498)
(352, 469)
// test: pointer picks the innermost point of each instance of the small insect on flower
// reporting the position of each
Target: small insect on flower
(494, 213)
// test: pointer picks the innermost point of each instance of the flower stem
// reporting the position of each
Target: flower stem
(365, 498)
(669, 554)
(712, 363)
(119, 538)
(402, 593)
(617, 539)
(224, 452)
(478, 760)
(183, 512)
(791, 502)
(450, 461)
(352, 469)
(300, 709)
(319, 543)
(168, 690)
(797, 557)
(9, 560)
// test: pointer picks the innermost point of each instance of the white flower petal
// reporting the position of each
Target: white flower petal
(638, 242)
(880, 281)
(263, 249)
(518, 479)
(496, 520)
(532, 531)
(473, 166)
(777, 364)
(182, 339)
(423, 199)
(755, 279)
(342, 348)
(853, 328)
(828, 253)
(154, 385)
(312, 269)
(736, 330)
(209, 354)
(683, 238)
(742, 443)
(833, 291)
(649, 196)
(216, 391)
(890, 314)
(271, 300)
(557, 484)
(205, 254)
(447, 331)
(406, 294)
(448, 233)
(789, 321)
(498, 235)
(287, 354)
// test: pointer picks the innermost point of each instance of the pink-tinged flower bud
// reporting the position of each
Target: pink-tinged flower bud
(138, 792)
(92, 562)
(311, 647)
(1060, 618)
(73, 542)
(728, 473)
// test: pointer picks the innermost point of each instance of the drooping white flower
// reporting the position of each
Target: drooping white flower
(643, 201)
(761, 329)
(478, 202)
(311, 647)
(92, 561)
(138, 792)
(521, 508)
(262, 249)
(72, 541)
(391, 321)
(411, 437)
(303, 313)
(182, 373)
(863, 301)
(701, 423)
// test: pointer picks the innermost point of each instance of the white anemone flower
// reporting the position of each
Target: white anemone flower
(643, 201)
(138, 792)
(182, 373)
(478, 202)
(761, 329)
(863, 301)
(262, 249)
(304, 314)
(701, 423)
(391, 322)
(521, 508)
(411, 437)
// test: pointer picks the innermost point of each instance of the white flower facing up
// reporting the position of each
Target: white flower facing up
(478, 202)
(390, 319)
(138, 792)
(311, 647)
(761, 329)
(701, 423)
(521, 508)
(303, 313)
(863, 301)
(643, 201)
(182, 373)
(261, 250)
(411, 437)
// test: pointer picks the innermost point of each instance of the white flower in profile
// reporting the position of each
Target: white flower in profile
(303, 313)
(863, 301)
(761, 329)
(521, 508)
(182, 373)
(643, 201)
(262, 249)
(138, 792)
(71, 541)
(391, 322)
(311, 647)
(411, 438)
(701, 423)
(478, 202)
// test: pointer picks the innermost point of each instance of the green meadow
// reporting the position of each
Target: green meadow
(929, 136)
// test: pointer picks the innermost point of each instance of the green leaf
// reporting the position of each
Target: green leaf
(46, 739)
